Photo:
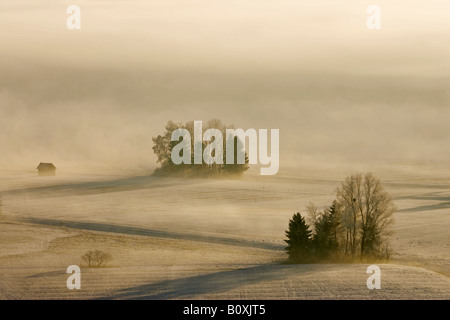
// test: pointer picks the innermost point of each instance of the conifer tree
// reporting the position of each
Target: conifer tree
(298, 239)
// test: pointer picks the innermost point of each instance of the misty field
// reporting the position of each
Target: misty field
(208, 238)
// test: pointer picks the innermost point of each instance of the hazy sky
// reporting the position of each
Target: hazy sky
(336, 90)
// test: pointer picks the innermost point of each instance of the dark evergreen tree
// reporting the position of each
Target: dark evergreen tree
(325, 241)
(298, 239)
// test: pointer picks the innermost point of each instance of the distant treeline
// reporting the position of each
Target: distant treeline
(163, 145)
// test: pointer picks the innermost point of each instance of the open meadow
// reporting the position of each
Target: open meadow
(176, 238)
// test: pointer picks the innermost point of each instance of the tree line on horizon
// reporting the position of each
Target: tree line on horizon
(355, 226)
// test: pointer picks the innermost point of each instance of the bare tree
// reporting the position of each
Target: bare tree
(102, 258)
(96, 258)
(88, 257)
(367, 213)
(313, 214)
(346, 199)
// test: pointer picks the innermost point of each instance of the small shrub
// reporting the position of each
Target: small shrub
(96, 258)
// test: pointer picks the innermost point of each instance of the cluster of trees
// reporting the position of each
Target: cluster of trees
(163, 145)
(355, 226)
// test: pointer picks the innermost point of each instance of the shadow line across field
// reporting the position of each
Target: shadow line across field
(437, 206)
(223, 281)
(103, 186)
(443, 198)
(129, 230)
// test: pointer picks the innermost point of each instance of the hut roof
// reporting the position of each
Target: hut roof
(45, 166)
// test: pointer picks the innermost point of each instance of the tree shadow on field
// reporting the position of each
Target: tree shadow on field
(442, 205)
(442, 197)
(131, 230)
(44, 274)
(190, 287)
(105, 186)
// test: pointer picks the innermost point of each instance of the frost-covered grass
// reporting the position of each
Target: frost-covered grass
(206, 238)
